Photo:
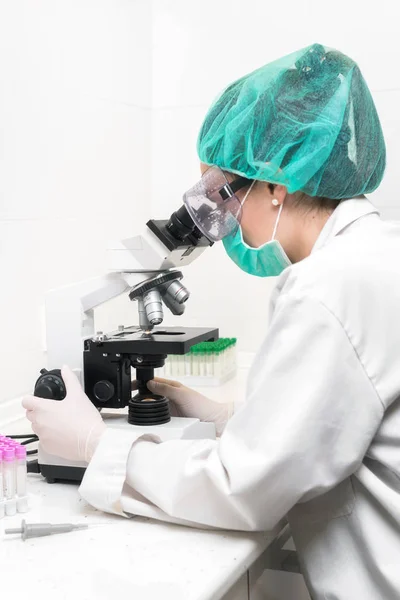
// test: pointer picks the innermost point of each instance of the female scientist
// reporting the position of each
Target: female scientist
(318, 438)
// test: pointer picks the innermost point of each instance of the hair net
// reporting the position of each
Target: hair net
(306, 121)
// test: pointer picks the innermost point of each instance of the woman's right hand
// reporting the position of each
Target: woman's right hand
(186, 402)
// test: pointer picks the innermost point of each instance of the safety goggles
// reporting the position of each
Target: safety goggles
(213, 205)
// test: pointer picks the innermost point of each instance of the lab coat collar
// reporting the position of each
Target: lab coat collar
(344, 215)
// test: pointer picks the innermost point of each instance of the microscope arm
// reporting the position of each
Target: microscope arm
(69, 315)
(69, 311)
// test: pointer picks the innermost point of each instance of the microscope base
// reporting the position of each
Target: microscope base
(53, 468)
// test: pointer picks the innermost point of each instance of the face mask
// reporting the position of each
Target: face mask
(267, 261)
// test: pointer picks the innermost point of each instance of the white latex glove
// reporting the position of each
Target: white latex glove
(69, 428)
(188, 403)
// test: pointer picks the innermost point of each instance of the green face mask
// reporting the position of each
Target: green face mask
(267, 261)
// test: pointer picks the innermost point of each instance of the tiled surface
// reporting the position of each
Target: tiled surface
(81, 47)
(388, 194)
(175, 166)
(84, 159)
(74, 157)
(197, 52)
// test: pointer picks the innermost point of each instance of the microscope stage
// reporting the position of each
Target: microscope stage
(163, 340)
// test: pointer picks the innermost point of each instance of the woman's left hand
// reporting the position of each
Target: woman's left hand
(69, 428)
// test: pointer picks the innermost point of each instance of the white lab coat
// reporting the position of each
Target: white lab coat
(319, 435)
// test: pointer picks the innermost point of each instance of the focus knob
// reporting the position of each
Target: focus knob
(50, 385)
(103, 391)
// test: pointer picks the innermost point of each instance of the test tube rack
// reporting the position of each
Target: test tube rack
(206, 364)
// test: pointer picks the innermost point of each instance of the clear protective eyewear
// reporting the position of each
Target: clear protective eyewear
(213, 205)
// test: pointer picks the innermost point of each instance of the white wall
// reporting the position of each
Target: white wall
(75, 91)
(100, 105)
(196, 53)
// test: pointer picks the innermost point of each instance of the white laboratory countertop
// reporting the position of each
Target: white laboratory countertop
(115, 556)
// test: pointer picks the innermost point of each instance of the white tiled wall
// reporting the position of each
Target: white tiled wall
(387, 197)
(100, 106)
(196, 53)
(75, 96)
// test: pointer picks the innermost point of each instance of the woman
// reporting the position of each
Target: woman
(318, 439)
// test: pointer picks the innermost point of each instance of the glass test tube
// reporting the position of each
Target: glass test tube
(188, 364)
(14, 445)
(196, 363)
(9, 481)
(21, 473)
(2, 508)
(209, 361)
(20, 454)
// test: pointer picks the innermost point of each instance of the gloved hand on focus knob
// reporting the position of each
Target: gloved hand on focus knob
(185, 402)
(69, 428)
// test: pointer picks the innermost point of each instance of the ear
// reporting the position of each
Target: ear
(280, 193)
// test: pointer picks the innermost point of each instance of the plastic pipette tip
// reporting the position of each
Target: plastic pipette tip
(43, 529)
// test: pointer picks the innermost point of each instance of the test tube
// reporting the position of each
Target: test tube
(14, 445)
(172, 365)
(9, 481)
(182, 369)
(167, 367)
(224, 357)
(10, 443)
(196, 364)
(2, 508)
(202, 359)
(21, 472)
(188, 364)
(209, 360)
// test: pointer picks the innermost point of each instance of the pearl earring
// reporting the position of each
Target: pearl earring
(275, 202)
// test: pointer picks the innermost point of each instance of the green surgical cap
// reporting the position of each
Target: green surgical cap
(306, 121)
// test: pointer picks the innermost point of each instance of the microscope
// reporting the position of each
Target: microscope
(147, 268)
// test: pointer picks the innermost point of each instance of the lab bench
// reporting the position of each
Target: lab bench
(117, 557)
(139, 557)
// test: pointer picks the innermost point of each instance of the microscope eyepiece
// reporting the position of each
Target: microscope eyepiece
(180, 224)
